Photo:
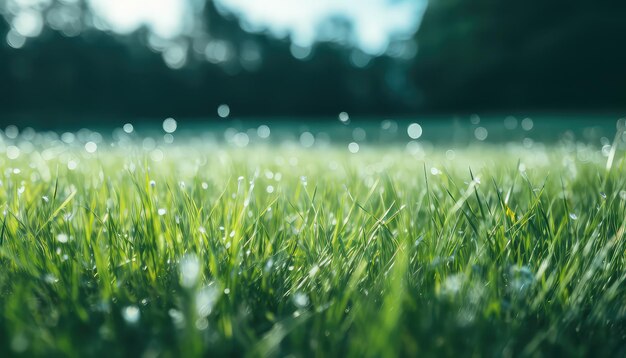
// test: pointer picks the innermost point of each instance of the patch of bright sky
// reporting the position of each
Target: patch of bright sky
(164, 18)
(375, 23)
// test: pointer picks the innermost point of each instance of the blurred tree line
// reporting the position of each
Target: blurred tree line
(478, 55)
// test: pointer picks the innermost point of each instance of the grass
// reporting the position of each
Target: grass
(205, 249)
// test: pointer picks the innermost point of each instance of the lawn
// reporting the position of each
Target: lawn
(197, 248)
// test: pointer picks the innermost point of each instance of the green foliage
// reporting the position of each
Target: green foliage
(272, 251)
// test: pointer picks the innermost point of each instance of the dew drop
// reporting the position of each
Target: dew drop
(62, 238)
(189, 270)
(91, 147)
(131, 314)
(414, 130)
(300, 299)
(263, 131)
(223, 110)
(344, 117)
(481, 133)
(170, 125)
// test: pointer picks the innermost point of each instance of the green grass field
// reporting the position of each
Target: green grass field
(210, 250)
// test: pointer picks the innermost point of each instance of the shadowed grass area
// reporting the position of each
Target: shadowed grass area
(200, 249)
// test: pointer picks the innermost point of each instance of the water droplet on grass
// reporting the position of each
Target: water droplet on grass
(481, 133)
(241, 139)
(307, 139)
(527, 124)
(177, 317)
(50, 278)
(189, 270)
(510, 122)
(206, 299)
(223, 110)
(300, 299)
(62, 238)
(11, 131)
(452, 284)
(359, 134)
(68, 137)
(414, 130)
(263, 131)
(13, 152)
(131, 314)
(202, 324)
(521, 278)
(573, 216)
(91, 147)
(170, 125)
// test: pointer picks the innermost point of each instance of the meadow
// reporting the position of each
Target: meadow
(190, 247)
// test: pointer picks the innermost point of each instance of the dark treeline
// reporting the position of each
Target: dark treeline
(485, 55)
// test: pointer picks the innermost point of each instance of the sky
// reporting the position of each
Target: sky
(165, 18)
(375, 23)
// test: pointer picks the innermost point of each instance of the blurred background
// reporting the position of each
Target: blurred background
(65, 62)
